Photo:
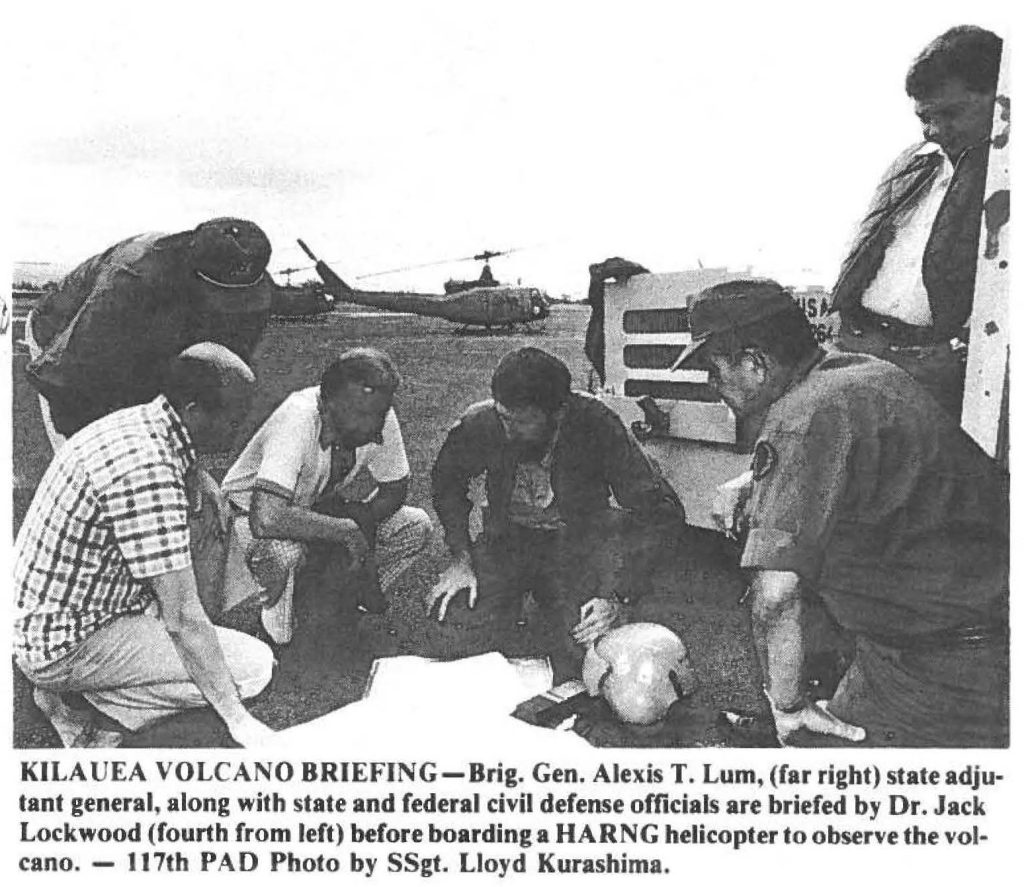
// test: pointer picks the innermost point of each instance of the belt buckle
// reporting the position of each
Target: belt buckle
(915, 350)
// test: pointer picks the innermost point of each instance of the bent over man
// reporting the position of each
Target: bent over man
(868, 494)
(107, 602)
(551, 459)
(329, 465)
(101, 340)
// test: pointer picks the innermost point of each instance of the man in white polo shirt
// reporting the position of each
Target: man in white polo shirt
(329, 465)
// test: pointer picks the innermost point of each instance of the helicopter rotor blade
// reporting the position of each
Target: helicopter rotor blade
(484, 256)
(489, 254)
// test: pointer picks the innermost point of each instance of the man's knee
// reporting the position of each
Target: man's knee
(409, 529)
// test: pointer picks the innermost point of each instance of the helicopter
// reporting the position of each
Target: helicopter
(484, 302)
(308, 301)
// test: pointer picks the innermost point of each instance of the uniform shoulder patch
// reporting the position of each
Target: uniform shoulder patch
(764, 460)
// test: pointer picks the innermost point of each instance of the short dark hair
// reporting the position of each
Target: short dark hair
(966, 52)
(787, 336)
(200, 375)
(530, 377)
(368, 367)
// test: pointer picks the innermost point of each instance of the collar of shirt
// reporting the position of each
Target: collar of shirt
(324, 433)
(180, 438)
(549, 457)
(802, 369)
(930, 149)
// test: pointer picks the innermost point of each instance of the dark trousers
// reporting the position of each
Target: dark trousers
(955, 698)
(561, 570)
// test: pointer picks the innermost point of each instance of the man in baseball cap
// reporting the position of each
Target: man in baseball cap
(103, 339)
(729, 306)
(866, 493)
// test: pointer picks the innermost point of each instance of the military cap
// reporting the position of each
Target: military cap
(230, 252)
(730, 306)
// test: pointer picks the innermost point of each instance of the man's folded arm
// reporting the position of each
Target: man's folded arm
(272, 516)
(386, 500)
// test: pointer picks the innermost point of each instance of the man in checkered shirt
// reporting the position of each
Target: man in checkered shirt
(329, 465)
(107, 601)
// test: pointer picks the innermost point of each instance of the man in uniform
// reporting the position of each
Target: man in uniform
(329, 465)
(906, 290)
(551, 458)
(101, 341)
(868, 494)
(107, 603)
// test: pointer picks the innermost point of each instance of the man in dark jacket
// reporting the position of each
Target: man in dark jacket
(905, 292)
(551, 459)
(103, 339)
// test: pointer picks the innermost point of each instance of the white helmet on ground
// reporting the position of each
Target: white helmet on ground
(640, 670)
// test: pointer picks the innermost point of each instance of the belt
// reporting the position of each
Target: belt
(898, 333)
(945, 639)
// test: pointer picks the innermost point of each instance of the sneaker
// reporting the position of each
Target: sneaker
(76, 729)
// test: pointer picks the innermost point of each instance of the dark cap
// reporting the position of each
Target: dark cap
(230, 252)
(731, 306)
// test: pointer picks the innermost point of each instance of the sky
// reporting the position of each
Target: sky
(395, 134)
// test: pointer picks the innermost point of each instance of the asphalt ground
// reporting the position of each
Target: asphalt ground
(326, 665)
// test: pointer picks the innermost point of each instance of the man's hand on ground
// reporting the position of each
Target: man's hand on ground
(816, 718)
(597, 616)
(249, 732)
(458, 576)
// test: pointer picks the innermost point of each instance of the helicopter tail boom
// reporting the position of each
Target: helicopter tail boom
(334, 284)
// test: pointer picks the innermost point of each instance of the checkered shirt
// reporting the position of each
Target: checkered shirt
(110, 513)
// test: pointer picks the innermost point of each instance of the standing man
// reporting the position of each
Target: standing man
(906, 290)
(552, 458)
(101, 341)
(297, 482)
(106, 594)
(868, 494)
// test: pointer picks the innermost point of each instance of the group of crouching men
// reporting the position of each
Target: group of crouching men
(130, 552)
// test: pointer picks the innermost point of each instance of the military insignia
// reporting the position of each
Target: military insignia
(764, 460)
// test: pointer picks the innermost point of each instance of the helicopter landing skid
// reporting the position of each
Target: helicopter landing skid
(506, 329)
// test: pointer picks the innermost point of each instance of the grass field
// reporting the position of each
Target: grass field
(326, 666)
